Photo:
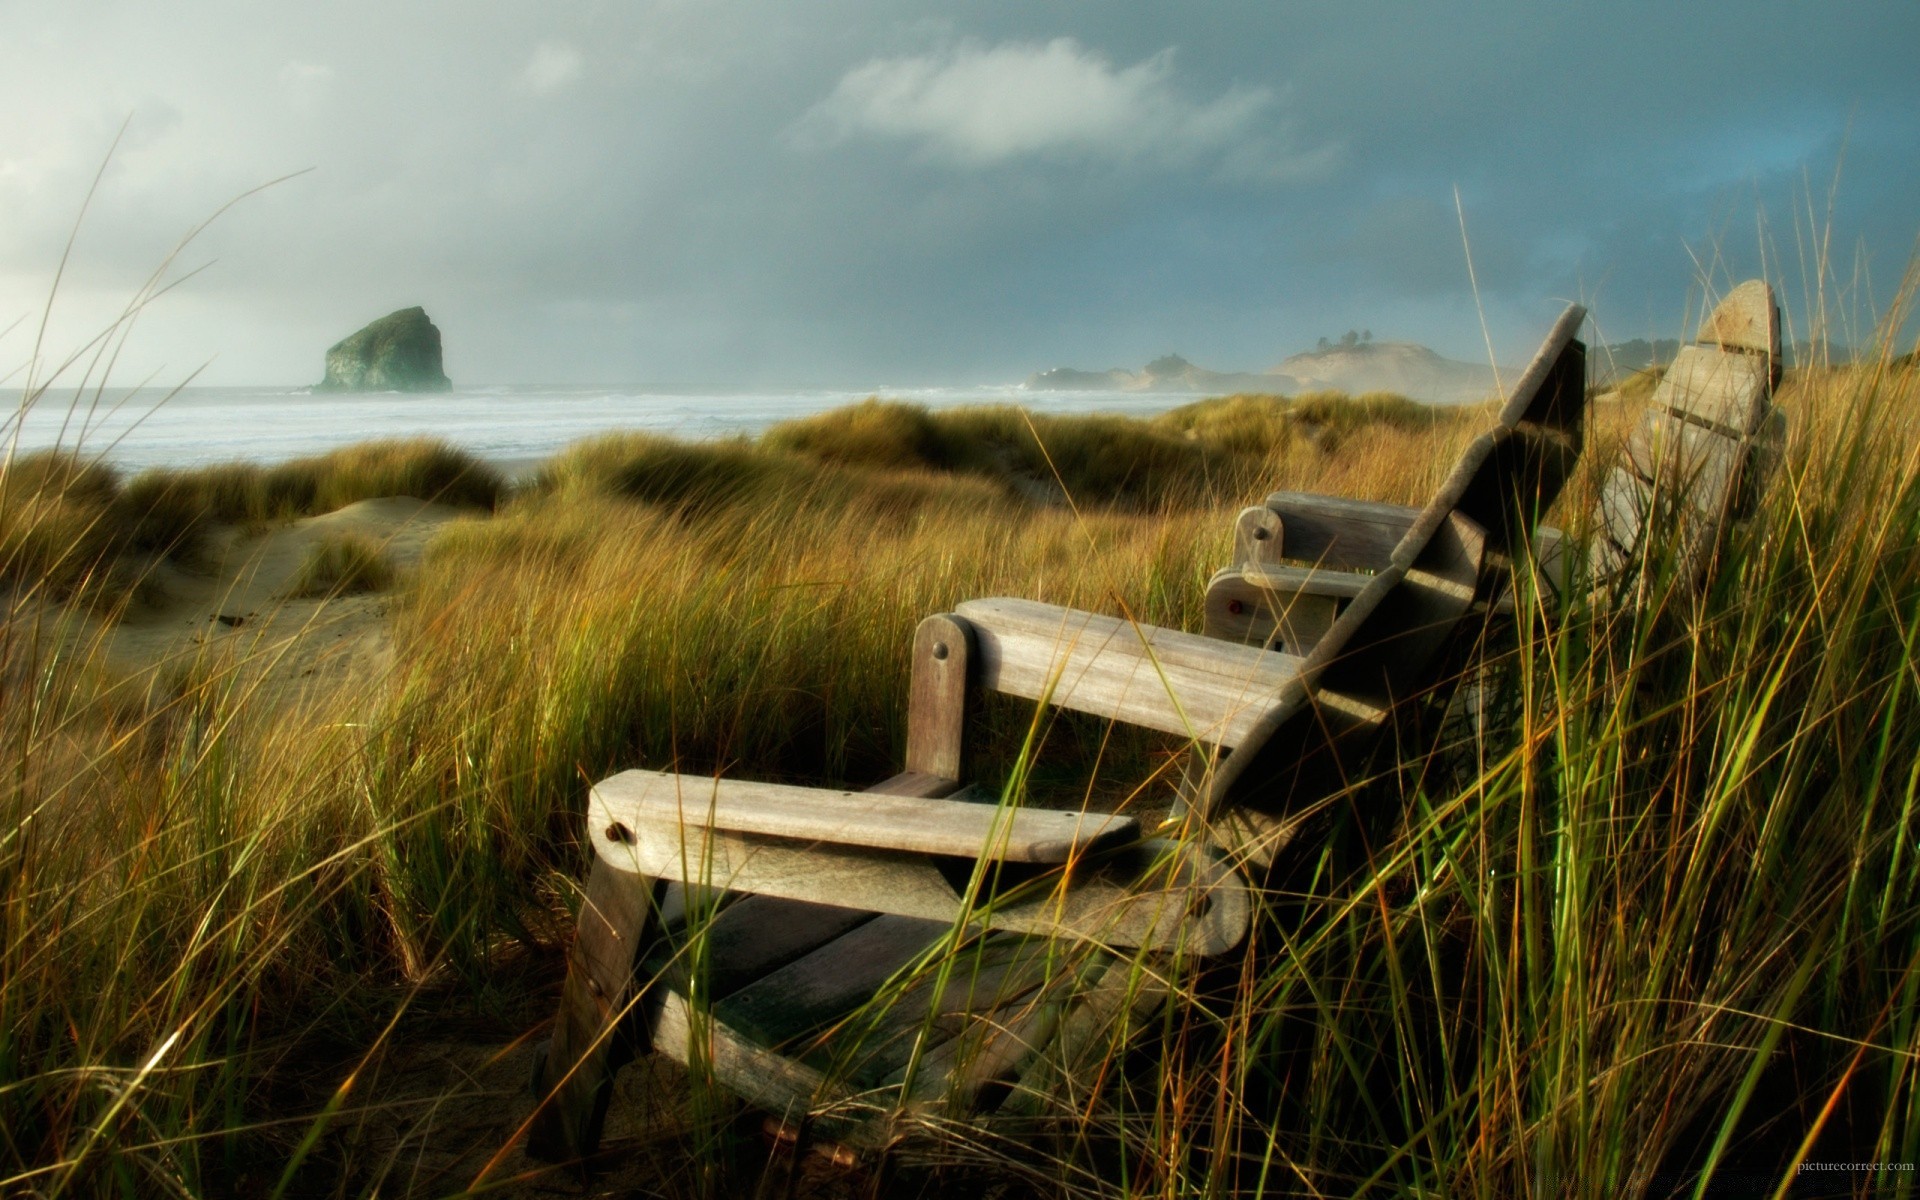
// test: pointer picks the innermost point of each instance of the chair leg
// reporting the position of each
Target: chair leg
(575, 1081)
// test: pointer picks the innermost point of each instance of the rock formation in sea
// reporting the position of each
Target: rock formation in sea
(398, 353)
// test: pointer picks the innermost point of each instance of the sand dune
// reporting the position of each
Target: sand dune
(233, 611)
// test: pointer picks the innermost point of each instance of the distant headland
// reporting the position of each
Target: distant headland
(1354, 363)
(398, 353)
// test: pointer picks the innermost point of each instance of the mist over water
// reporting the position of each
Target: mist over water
(508, 425)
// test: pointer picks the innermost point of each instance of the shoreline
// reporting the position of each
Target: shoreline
(201, 427)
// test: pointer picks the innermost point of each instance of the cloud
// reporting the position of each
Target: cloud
(553, 66)
(974, 105)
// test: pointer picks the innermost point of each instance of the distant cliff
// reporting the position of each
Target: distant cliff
(398, 353)
(1406, 368)
(1351, 366)
(1168, 373)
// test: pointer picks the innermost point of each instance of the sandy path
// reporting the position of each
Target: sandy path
(234, 611)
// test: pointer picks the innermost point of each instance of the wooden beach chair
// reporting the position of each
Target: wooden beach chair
(1707, 442)
(856, 960)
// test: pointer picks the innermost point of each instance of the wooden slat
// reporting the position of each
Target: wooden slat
(805, 996)
(915, 783)
(1238, 611)
(1685, 460)
(1000, 1042)
(834, 1090)
(1624, 498)
(1386, 655)
(1716, 387)
(1551, 394)
(1383, 648)
(1305, 581)
(658, 798)
(762, 1076)
(985, 976)
(1339, 534)
(1746, 319)
(936, 704)
(1631, 511)
(1379, 653)
(1163, 679)
(1138, 893)
(749, 939)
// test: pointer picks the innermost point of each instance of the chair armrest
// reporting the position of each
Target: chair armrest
(1339, 534)
(644, 800)
(1180, 683)
(1290, 580)
(1163, 895)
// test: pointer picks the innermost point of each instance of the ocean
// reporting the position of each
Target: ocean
(512, 426)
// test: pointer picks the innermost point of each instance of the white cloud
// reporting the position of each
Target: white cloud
(975, 105)
(553, 66)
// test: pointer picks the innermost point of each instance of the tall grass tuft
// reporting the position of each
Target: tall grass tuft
(424, 468)
(340, 564)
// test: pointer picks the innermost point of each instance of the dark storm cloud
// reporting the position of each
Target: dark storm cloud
(861, 193)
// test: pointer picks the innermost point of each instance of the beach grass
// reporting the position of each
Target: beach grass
(75, 529)
(1654, 923)
(341, 564)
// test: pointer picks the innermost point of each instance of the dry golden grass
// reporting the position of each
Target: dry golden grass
(1582, 957)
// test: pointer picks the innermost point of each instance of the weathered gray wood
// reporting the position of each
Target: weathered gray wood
(804, 997)
(996, 1043)
(1551, 394)
(1305, 581)
(1378, 656)
(1139, 893)
(1747, 319)
(937, 700)
(1340, 534)
(745, 941)
(575, 1080)
(1385, 659)
(830, 1087)
(980, 980)
(1257, 536)
(1261, 606)
(1632, 511)
(641, 801)
(1553, 567)
(1179, 683)
(762, 1076)
(1694, 461)
(1686, 462)
(1716, 388)
(1239, 611)
(1622, 516)
(916, 783)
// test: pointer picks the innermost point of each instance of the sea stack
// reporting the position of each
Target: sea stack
(398, 353)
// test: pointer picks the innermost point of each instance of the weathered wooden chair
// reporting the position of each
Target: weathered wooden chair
(1708, 440)
(844, 958)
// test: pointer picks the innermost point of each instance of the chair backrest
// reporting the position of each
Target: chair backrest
(1687, 466)
(1391, 644)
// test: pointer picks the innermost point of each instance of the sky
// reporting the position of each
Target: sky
(854, 193)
